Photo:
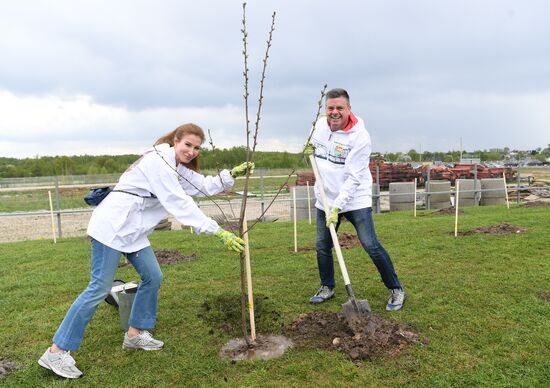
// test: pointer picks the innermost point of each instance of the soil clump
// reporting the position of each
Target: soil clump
(6, 367)
(447, 211)
(173, 257)
(545, 296)
(535, 204)
(346, 240)
(500, 229)
(329, 330)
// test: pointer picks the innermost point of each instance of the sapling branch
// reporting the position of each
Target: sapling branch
(319, 105)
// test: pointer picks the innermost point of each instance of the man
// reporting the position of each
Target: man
(342, 147)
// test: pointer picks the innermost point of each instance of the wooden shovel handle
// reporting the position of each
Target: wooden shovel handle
(332, 229)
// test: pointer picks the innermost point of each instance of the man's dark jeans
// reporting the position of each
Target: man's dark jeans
(364, 225)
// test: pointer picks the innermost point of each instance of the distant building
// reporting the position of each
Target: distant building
(470, 161)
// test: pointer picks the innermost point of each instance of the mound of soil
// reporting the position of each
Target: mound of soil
(447, 211)
(6, 366)
(173, 257)
(536, 204)
(545, 296)
(500, 229)
(494, 230)
(329, 330)
(346, 240)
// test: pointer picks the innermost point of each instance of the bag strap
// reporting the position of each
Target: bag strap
(136, 195)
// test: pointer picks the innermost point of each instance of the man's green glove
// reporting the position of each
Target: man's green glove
(332, 217)
(309, 149)
(230, 240)
(240, 170)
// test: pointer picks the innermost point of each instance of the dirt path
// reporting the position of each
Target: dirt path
(39, 227)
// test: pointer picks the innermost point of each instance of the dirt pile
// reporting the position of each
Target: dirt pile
(173, 257)
(500, 229)
(346, 240)
(447, 211)
(6, 367)
(328, 330)
(536, 204)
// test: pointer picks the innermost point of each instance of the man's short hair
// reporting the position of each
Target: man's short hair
(338, 92)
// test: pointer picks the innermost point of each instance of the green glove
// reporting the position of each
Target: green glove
(309, 149)
(332, 217)
(230, 240)
(240, 170)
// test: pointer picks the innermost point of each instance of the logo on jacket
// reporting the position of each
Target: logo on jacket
(339, 153)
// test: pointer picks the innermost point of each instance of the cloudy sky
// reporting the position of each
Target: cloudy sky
(110, 77)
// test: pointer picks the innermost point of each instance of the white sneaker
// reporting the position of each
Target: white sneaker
(144, 340)
(61, 363)
(396, 300)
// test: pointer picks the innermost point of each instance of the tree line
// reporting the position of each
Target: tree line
(227, 158)
(115, 164)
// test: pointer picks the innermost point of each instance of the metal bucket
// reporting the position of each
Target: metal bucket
(125, 302)
(112, 297)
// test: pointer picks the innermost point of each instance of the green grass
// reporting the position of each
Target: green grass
(475, 298)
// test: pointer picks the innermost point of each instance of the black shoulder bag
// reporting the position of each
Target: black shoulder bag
(95, 196)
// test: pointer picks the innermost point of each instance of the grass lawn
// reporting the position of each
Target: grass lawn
(475, 298)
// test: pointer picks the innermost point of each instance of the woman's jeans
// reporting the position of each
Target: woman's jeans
(104, 265)
(364, 225)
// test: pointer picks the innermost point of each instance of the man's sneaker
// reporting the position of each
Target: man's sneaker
(60, 363)
(397, 298)
(144, 340)
(323, 294)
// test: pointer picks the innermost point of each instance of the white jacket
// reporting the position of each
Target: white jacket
(343, 161)
(123, 221)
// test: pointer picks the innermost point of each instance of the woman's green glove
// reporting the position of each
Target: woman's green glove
(240, 170)
(332, 217)
(230, 240)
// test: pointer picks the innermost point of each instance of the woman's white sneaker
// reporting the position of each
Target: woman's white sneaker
(61, 363)
(144, 340)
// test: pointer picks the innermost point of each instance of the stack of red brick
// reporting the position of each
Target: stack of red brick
(404, 172)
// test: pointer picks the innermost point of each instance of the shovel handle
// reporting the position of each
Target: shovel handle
(333, 234)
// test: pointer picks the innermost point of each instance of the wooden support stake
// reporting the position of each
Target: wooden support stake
(414, 207)
(249, 282)
(456, 206)
(506, 190)
(295, 222)
(51, 213)
(308, 202)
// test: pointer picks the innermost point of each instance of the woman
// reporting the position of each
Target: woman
(161, 181)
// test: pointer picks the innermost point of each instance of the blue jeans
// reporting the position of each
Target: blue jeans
(104, 265)
(364, 225)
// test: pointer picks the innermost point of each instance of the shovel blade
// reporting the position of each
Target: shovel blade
(358, 316)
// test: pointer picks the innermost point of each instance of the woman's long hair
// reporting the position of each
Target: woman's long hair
(177, 134)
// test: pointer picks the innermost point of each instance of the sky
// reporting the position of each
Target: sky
(110, 77)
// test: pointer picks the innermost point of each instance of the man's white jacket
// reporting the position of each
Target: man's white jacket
(123, 221)
(343, 161)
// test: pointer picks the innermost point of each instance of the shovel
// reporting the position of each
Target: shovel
(356, 312)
